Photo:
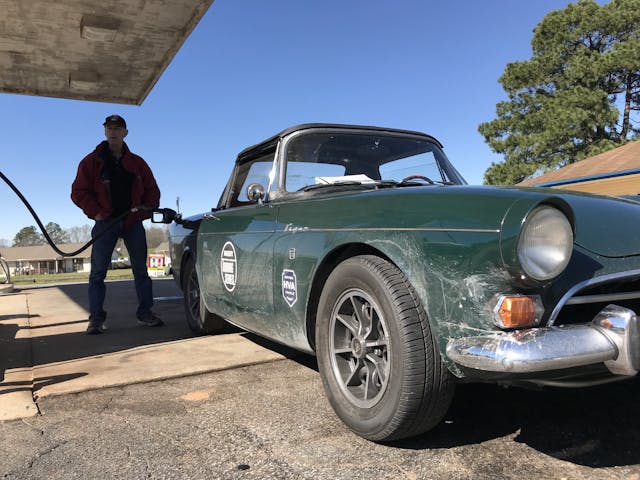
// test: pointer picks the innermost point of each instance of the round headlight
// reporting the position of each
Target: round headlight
(545, 243)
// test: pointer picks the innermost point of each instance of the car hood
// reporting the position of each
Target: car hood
(607, 226)
(604, 225)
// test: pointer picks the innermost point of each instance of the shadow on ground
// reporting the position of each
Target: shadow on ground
(594, 427)
(58, 334)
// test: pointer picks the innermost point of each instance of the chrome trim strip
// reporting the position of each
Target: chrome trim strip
(588, 283)
(609, 297)
(334, 230)
(466, 230)
(208, 234)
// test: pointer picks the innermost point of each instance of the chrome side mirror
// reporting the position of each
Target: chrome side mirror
(255, 192)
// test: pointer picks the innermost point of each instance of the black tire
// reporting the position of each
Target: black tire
(199, 319)
(379, 364)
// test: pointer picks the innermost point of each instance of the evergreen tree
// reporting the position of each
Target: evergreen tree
(562, 104)
(56, 233)
(27, 237)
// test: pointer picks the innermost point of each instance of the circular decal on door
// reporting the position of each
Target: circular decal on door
(229, 266)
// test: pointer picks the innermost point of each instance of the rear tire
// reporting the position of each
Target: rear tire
(380, 367)
(199, 319)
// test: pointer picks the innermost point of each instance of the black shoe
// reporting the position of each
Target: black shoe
(96, 326)
(150, 320)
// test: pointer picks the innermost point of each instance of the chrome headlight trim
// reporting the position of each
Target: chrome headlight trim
(545, 244)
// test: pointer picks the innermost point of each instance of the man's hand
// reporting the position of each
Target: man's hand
(141, 208)
(99, 217)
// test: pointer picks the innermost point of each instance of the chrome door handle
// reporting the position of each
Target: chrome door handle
(210, 216)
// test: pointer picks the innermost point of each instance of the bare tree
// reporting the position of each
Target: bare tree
(155, 236)
(80, 234)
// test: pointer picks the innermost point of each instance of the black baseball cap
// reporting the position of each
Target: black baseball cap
(117, 119)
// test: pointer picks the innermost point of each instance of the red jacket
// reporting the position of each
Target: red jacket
(90, 193)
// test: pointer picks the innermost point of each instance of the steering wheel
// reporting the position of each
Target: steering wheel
(417, 177)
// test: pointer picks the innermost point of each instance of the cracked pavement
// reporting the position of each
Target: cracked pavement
(273, 421)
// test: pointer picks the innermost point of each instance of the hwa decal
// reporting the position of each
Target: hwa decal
(229, 266)
(289, 287)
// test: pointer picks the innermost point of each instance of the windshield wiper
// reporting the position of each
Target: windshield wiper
(413, 183)
(375, 184)
(386, 183)
(317, 186)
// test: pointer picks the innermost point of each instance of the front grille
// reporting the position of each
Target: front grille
(583, 302)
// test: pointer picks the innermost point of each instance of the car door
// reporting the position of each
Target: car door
(235, 264)
(235, 249)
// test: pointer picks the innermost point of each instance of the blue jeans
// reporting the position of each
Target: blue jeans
(136, 242)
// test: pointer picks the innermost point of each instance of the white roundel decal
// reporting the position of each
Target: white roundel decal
(229, 266)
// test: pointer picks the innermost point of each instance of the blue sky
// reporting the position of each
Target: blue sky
(254, 67)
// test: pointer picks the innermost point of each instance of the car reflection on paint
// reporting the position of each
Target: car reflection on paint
(364, 246)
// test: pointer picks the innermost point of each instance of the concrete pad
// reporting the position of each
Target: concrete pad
(16, 386)
(44, 349)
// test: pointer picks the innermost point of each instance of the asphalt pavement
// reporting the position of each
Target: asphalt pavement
(160, 403)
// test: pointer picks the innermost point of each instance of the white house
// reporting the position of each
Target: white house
(39, 259)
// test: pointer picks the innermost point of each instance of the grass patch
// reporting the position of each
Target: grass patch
(75, 277)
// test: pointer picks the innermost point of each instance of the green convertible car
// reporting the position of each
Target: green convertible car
(365, 247)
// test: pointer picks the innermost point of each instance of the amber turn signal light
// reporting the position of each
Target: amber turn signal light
(518, 311)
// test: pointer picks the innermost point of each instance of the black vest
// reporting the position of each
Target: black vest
(118, 181)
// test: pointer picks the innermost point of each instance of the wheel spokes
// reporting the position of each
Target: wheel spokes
(193, 294)
(353, 379)
(348, 321)
(362, 311)
(359, 348)
(379, 368)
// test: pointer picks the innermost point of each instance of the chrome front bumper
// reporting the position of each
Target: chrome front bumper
(613, 337)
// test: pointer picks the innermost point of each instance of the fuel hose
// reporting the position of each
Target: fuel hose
(44, 230)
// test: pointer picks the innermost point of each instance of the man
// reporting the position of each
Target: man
(110, 182)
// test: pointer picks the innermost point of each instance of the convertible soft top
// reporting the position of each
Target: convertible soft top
(270, 142)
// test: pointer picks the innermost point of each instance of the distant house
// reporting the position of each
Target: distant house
(615, 172)
(159, 263)
(42, 259)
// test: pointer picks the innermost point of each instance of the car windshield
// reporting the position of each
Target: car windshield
(314, 159)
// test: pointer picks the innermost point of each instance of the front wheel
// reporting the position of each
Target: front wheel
(199, 319)
(380, 367)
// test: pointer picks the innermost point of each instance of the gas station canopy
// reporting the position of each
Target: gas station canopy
(108, 51)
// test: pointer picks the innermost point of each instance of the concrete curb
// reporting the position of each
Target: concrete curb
(150, 363)
(6, 288)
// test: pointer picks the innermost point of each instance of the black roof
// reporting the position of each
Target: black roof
(271, 141)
